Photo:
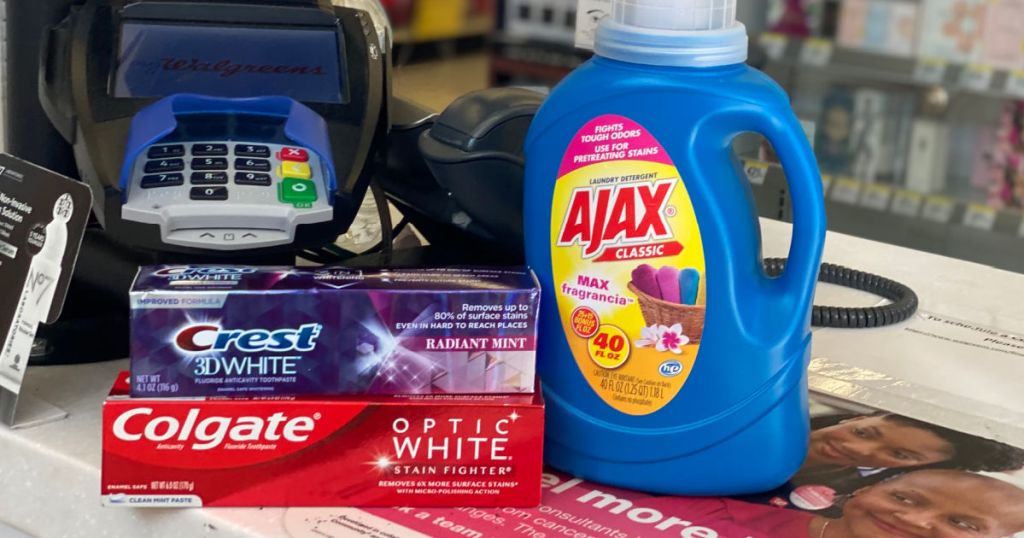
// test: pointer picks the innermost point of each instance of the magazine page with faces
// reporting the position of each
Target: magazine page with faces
(871, 473)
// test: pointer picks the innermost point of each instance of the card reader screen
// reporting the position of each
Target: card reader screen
(155, 60)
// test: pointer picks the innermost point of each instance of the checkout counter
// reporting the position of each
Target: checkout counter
(56, 466)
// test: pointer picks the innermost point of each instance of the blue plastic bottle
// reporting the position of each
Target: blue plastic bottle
(630, 170)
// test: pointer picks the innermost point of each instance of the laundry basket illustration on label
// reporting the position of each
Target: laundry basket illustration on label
(660, 312)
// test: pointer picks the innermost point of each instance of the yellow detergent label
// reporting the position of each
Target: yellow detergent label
(628, 265)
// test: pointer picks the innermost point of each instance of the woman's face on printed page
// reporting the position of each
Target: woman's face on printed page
(879, 442)
(934, 504)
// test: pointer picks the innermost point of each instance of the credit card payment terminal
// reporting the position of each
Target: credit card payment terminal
(248, 129)
(227, 173)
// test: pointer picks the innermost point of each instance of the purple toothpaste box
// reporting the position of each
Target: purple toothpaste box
(203, 330)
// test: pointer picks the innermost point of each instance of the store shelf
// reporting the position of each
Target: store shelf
(931, 223)
(827, 58)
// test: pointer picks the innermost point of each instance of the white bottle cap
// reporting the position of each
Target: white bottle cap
(686, 33)
(675, 14)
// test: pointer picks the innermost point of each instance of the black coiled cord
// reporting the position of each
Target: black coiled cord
(904, 300)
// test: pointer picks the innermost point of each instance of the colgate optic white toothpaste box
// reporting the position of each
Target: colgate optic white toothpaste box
(416, 451)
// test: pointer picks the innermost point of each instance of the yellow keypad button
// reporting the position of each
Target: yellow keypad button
(294, 169)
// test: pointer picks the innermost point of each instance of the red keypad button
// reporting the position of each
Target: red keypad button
(293, 154)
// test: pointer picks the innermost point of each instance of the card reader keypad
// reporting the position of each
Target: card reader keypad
(242, 194)
(165, 151)
(253, 150)
(209, 150)
(252, 165)
(297, 155)
(160, 166)
(162, 180)
(210, 163)
(209, 178)
(252, 178)
(218, 194)
(231, 171)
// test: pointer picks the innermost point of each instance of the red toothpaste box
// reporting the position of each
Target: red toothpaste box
(415, 451)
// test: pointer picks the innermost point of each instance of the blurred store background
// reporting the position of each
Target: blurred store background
(915, 107)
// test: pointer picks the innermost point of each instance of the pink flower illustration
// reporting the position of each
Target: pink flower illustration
(672, 339)
(663, 338)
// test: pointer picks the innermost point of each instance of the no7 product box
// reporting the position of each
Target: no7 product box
(423, 451)
(203, 330)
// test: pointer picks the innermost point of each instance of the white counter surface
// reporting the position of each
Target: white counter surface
(50, 473)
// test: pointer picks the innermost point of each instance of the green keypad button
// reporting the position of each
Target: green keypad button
(296, 191)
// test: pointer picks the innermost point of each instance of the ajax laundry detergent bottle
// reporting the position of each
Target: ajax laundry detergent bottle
(670, 361)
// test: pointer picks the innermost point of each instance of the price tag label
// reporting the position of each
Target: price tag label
(816, 52)
(1015, 84)
(938, 209)
(756, 171)
(976, 77)
(846, 190)
(876, 197)
(774, 45)
(980, 216)
(930, 70)
(826, 182)
(906, 203)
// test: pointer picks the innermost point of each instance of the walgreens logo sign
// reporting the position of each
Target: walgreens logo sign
(226, 67)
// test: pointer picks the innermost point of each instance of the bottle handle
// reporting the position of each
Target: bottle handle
(794, 288)
(796, 284)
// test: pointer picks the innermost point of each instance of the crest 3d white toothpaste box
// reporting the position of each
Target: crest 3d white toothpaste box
(200, 330)
(426, 450)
